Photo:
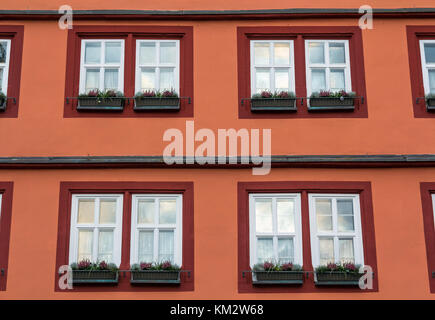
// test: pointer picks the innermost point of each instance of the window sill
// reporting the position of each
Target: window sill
(155, 277)
(278, 277)
(331, 104)
(100, 104)
(273, 104)
(336, 279)
(95, 277)
(156, 104)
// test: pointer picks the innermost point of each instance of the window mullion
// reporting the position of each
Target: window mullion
(156, 244)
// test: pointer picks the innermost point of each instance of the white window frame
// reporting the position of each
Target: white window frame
(272, 66)
(5, 67)
(426, 66)
(327, 66)
(75, 227)
(157, 65)
(356, 235)
(156, 227)
(296, 235)
(102, 66)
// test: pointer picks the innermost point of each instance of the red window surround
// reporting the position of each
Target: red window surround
(16, 35)
(427, 189)
(127, 189)
(368, 232)
(414, 35)
(130, 34)
(5, 230)
(299, 35)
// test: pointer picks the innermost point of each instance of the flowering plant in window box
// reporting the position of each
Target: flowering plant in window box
(101, 272)
(147, 272)
(3, 100)
(275, 273)
(338, 274)
(96, 100)
(430, 101)
(155, 100)
(277, 101)
(329, 100)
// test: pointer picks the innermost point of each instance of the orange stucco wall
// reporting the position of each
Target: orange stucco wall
(41, 130)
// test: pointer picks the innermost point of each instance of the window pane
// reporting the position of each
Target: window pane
(92, 79)
(146, 246)
(286, 215)
(324, 214)
(337, 79)
(113, 52)
(168, 52)
(336, 53)
(147, 53)
(262, 79)
(263, 215)
(3, 51)
(264, 249)
(166, 246)
(346, 250)
(262, 53)
(429, 52)
(145, 211)
(86, 211)
(317, 54)
(105, 246)
(167, 212)
(167, 79)
(282, 81)
(282, 53)
(345, 215)
(326, 250)
(432, 81)
(107, 211)
(285, 250)
(318, 80)
(85, 245)
(111, 79)
(92, 52)
(1, 80)
(148, 79)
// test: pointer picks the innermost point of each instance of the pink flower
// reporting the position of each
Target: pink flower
(149, 93)
(84, 264)
(343, 93)
(283, 94)
(331, 266)
(103, 265)
(268, 265)
(168, 93)
(287, 266)
(349, 266)
(324, 93)
(93, 93)
(145, 266)
(266, 94)
(166, 265)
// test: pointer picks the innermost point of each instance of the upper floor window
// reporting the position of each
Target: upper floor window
(427, 51)
(275, 228)
(272, 66)
(335, 226)
(96, 228)
(5, 51)
(156, 229)
(157, 65)
(102, 65)
(328, 65)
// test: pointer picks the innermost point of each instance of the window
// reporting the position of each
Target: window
(5, 50)
(5, 229)
(328, 65)
(427, 190)
(157, 65)
(156, 234)
(275, 228)
(126, 223)
(302, 59)
(129, 59)
(335, 229)
(102, 65)
(96, 222)
(427, 52)
(272, 66)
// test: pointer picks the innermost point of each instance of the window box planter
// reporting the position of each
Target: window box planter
(337, 278)
(156, 104)
(95, 276)
(273, 104)
(155, 276)
(100, 104)
(3, 104)
(430, 104)
(278, 277)
(327, 103)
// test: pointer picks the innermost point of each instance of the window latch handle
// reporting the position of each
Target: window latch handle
(2, 272)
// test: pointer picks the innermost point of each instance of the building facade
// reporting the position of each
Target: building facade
(90, 112)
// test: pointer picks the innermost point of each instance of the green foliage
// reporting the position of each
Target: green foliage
(102, 94)
(161, 266)
(274, 95)
(271, 266)
(87, 265)
(338, 267)
(333, 94)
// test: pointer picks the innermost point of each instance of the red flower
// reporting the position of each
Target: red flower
(93, 93)
(266, 94)
(287, 266)
(331, 266)
(168, 93)
(145, 266)
(166, 265)
(103, 265)
(149, 93)
(283, 94)
(268, 266)
(349, 266)
(324, 93)
(343, 93)
(84, 264)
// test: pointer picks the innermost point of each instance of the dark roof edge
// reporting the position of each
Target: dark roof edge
(336, 161)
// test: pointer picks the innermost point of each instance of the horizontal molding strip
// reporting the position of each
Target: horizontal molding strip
(284, 161)
(219, 14)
